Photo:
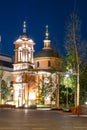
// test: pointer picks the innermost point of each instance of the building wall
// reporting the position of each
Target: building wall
(44, 63)
(6, 70)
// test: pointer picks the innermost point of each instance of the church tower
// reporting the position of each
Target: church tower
(24, 49)
(23, 66)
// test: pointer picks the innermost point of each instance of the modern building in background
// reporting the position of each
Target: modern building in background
(6, 67)
(6, 71)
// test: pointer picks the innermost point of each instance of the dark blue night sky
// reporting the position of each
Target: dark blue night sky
(38, 14)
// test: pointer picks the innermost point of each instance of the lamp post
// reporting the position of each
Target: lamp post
(57, 91)
(67, 100)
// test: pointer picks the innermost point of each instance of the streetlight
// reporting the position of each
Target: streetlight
(67, 100)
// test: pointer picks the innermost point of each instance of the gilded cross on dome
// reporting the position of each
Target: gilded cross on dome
(47, 34)
(24, 27)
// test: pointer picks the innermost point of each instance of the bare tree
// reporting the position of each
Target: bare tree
(75, 50)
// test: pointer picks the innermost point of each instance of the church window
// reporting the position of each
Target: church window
(38, 64)
(19, 54)
(28, 55)
(49, 63)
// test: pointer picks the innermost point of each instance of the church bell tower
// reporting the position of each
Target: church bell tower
(23, 65)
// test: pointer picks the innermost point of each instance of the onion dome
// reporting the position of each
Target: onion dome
(24, 36)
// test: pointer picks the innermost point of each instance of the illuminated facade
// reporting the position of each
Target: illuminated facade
(6, 68)
(29, 70)
(6, 71)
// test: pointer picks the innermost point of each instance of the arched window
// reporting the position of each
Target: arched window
(49, 63)
(28, 54)
(38, 64)
(20, 54)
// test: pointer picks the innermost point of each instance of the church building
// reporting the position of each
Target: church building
(32, 72)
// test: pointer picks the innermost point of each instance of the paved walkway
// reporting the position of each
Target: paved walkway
(23, 119)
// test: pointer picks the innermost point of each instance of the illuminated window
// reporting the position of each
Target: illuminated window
(28, 54)
(20, 54)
